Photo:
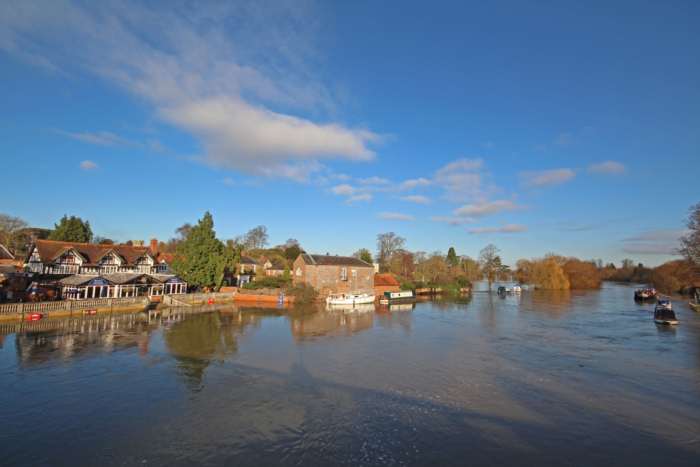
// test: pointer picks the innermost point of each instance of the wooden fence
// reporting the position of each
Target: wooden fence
(69, 305)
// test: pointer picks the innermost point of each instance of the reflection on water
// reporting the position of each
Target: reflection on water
(546, 378)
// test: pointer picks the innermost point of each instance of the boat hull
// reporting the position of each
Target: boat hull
(666, 322)
(350, 301)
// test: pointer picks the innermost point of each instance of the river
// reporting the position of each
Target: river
(547, 378)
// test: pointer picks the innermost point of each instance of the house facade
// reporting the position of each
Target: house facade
(273, 267)
(86, 270)
(333, 274)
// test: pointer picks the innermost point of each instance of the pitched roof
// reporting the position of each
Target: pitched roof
(248, 260)
(385, 279)
(49, 250)
(328, 260)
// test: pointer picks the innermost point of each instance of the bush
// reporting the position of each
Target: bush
(303, 294)
(268, 282)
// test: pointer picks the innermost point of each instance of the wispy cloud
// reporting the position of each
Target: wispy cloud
(100, 138)
(373, 181)
(654, 242)
(463, 180)
(414, 183)
(88, 165)
(241, 91)
(485, 208)
(508, 228)
(608, 168)
(395, 216)
(343, 190)
(418, 199)
(453, 220)
(361, 197)
(544, 178)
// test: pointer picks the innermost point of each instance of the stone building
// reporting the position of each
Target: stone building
(333, 274)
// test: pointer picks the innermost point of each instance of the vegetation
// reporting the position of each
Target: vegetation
(544, 273)
(388, 244)
(11, 229)
(256, 238)
(201, 258)
(71, 229)
(364, 254)
(303, 294)
(690, 243)
(491, 265)
(676, 277)
(582, 274)
(268, 282)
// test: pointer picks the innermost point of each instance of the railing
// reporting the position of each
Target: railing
(69, 305)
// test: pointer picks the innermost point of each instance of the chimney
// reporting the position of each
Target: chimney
(154, 245)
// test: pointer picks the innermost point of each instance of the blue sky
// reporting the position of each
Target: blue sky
(567, 127)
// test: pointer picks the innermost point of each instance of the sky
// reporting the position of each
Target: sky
(538, 126)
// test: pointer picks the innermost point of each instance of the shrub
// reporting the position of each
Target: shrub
(268, 282)
(303, 294)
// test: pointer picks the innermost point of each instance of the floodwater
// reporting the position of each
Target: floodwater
(580, 379)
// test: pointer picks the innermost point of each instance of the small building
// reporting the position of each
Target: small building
(120, 285)
(333, 274)
(385, 283)
(273, 267)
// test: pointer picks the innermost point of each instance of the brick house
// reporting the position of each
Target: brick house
(273, 267)
(385, 283)
(333, 274)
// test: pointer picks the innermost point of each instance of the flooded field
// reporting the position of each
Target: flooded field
(543, 379)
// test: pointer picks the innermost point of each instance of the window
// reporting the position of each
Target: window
(354, 274)
(343, 274)
(298, 272)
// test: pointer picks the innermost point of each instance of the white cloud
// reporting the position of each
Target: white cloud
(373, 181)
(547, 177)
(414, 183)
(463, 180)
(362, 197)
(395, 216)
(607, 167)
(452, 220)
(485, 208)
(418, 199)
(508, 228)
(239, 90)
(343, 190)
(100, 138)
(88, 165)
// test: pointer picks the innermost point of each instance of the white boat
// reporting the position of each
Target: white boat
(663, 313)
(349, 299)
(517, 289)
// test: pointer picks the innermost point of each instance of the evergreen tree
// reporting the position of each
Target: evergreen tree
(201, 259)
(364, 254)
(452, 258)
(71, 229)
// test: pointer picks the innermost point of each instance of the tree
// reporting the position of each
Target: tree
(490, 263)
(452, 258)
(548, 274)
(256, 238)
(103, 241)
(201, 259)
(401, 263)
(72, 229)
(387, 244)
(690, 243)
(470, 269)
(582, 274)
(627, 263)
(292, 250)
(364, 254)
(11, 232)
(183, 231)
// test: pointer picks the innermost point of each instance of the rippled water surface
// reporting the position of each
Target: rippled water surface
(544, 379)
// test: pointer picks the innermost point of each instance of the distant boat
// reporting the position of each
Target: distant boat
(404, 295)
(663, 313)
(502, 291)
(645, 294)
(516, 289)
(349, 299)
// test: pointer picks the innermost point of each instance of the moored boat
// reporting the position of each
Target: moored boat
(644, 294)
(695, 303)
(663, 313)
(349, 299)
(404, 295)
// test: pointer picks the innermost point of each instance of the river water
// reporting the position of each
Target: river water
(548, 378)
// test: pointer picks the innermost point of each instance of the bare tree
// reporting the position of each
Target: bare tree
(387, 244)
(10, 232)
(690, 243)
(256, 238)
(490, 263)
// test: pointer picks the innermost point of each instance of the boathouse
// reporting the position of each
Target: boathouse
(333, 274)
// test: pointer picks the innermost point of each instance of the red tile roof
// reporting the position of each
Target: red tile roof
(385, 279)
